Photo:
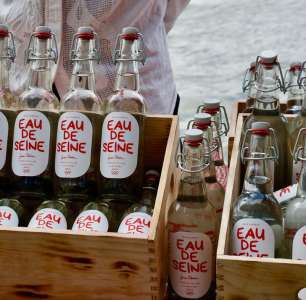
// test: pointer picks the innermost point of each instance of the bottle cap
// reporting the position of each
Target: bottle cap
(193, 135)
(42, 32)
(85, 33)
(260, 128)
(295, 66)
(202, 120)
(4, 32)
(268, 56)
(152, 173)
(130, 33)
(212, 103)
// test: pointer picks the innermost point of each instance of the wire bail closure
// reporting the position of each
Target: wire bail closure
(197, 169)
(298, 150)
(246, 81)
(52, 53)
(94, 54)
(280, 79)
(11, 49)
(138, 55)
(302, 76)
(224, 125)
(274, 148)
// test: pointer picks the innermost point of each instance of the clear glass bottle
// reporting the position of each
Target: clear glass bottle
(215, 191)
(8, 106)
(248, 86)
(268, 82)
(257, 222)
(137, 219)
(36, 122)
(11, 212)
(51, 214)
(192, 229)
(96, 216)
(121, 160)
(295, 217)
(295, 93)
(220, 129)
(78, 132)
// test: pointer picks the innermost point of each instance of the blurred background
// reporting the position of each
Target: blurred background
(214, 41)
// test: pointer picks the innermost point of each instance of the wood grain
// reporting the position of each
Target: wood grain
(60, 264)
(243, 278)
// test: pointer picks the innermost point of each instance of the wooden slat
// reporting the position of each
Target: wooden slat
(246, 278)
(61, 264)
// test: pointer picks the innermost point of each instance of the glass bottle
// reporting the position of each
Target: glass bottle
(121, 159)
(137, 219)
(295, 93)
(51, 214)
(295, 217)
(220, 129)
(96, 216)
(268, 82)
(36, 122)
(248, 86)
(257, 216)
(215, 191)
(8, 106)
(77, 144)
(11, 212)
(192, 229)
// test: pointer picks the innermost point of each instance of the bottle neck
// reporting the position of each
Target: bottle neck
(259, 176)
(40, 74)
(4, 65)
(127, 75)
(83, 76)
(148, 196)
(301, 190)
(267, 91)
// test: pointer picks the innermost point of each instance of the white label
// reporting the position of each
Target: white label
(120, 139)
(31, 144)
(8, 217)
(299, 244)
(191, 268)
(285, 194)
(91, 220)
(3, 139)
(73, 145)
(48, 218)
(137, 223)
(254, 238)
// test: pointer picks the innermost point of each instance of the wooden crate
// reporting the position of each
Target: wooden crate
(237, 108)
(61, 264)
(244, 278)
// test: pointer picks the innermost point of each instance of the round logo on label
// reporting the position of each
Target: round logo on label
(91, 220)
(48, 218)
(8, 217)
(137, 223)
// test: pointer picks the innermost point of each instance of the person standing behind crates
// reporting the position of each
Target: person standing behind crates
(154, 18)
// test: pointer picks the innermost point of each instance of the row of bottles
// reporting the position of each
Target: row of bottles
(194, 218)
(272, 154)
(81, 154)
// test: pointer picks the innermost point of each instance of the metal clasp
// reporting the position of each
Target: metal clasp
(139, 54)
(302, 76)
(196, 169)
(94, 54)
(274, 155)
(247, 80)
(11, 49)
(298, 151)
(224, 120)
(279, 79)
(52, 52)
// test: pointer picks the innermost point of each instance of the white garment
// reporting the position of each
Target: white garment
(154, 18)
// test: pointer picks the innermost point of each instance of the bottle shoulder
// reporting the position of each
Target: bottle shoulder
(83, 100)
(126, 100)
(38, 98)
(296, 212)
